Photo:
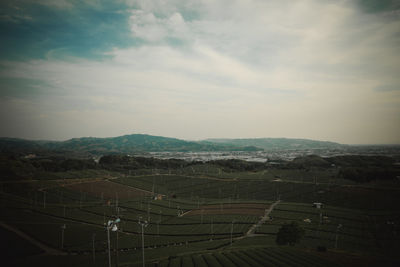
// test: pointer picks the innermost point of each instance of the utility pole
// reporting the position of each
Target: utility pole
(232, 231)
(158, 225)
(108, 241)
(148, 211)
(116, 200)
(94, 250)
(152, 189)
(80, 201)
(319, 224)
(111, 225)
(62, 235)
(337, 231)
(116, 252)
(212, 230)
(142, 224)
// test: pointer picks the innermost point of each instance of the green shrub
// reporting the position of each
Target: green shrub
(289, 234)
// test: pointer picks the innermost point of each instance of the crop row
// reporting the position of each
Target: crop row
(80, 235)
(248, 257)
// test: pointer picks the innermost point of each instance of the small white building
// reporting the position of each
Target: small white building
(157, 197)
(318, 205)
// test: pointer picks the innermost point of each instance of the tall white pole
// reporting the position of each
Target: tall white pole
(336, 238)
(212, 231)
(62, 235)
(142, 244)
(148, 211)
(231, 232)
(117, 250)
(113, 226)
(94, 250)
(109, 253)
(142, 224)
(116, 200)
(337, 232)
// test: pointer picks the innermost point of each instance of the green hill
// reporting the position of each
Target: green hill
(148, 143)
(122, 144)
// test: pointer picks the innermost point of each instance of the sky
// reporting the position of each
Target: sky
(197, 69)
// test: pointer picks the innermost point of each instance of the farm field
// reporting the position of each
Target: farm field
(229, 208)
(195, 217)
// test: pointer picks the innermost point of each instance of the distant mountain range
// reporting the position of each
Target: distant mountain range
(147, 143)
(278, 143)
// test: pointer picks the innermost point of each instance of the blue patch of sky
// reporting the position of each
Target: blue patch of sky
(376, 6)
(190, 14)
(17, 87)
(34, 30)
(175, 42)
(387, 88)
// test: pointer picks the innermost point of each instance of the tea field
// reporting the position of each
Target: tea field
(200, 216)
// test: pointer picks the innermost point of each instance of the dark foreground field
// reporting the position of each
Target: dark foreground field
(199, 215)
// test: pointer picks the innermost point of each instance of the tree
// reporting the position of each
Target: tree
(289, 234)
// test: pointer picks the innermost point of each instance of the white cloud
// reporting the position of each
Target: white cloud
(244, 69)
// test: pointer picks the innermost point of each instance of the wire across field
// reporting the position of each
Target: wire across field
(107, 189)
(255, 209)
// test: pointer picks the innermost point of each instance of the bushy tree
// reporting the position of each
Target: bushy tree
(289, 234)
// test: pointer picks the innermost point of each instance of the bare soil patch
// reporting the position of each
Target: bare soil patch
(108, 190)
(231, 209)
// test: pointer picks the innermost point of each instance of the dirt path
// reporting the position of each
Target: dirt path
(44, 247)
(262, 220)
(191, 176)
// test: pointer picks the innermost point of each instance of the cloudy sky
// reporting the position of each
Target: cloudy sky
(195, 69)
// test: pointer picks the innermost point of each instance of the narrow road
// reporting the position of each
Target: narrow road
(44, 247)
(191, 176)
(262, 220)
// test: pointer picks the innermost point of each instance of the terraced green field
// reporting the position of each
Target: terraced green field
(368, 217)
